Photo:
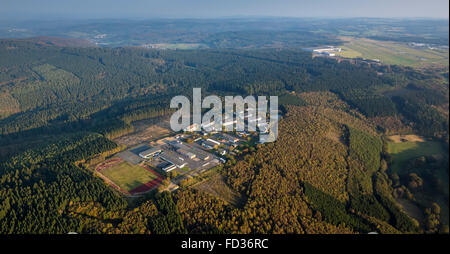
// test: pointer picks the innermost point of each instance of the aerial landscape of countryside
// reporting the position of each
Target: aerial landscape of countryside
(150, 120)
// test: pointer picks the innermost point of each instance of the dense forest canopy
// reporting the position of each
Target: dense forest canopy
(58, 86)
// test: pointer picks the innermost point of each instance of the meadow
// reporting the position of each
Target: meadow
(402, 152)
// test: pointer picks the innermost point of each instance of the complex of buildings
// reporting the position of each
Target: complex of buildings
(326, 51)
(200, 154)
(176, 154)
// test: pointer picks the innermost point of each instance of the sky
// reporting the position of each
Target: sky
(141, 9)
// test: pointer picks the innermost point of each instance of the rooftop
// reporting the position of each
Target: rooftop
(150, 151)
(174, 158)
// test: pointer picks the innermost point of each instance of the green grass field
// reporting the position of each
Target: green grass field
(393, 53)
(405, 151)
(128, 176)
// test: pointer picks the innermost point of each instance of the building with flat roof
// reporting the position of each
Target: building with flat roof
(213, 141)
(150, 152)
(173, 158)
(186, 153)
(209, 143)
(202, 155)
(230, 138)
(169, 167)
(166, 166)
(327, 49)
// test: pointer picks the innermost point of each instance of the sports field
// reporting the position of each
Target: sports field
(127, 176)
(402, 152)
(394, 53)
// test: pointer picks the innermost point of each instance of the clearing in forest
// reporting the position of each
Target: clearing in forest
(403, 152)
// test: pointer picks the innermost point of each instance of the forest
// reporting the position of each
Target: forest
(328, 172)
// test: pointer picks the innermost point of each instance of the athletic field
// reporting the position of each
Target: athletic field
(128, 177)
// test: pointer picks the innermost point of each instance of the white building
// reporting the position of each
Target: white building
(169, 168)
(150, 152)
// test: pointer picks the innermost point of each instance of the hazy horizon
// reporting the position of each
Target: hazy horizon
(207, 9)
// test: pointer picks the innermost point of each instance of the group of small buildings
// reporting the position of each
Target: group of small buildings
(229, 138)
(220, 139)
(248, 115)
(331, 51)
(428, 46)
(210, 143)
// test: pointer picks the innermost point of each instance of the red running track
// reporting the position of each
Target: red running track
(149, 185)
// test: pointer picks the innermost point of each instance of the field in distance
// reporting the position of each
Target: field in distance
(394, 52)
(176, 46)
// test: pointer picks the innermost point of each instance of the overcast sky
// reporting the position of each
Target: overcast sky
(26, 9)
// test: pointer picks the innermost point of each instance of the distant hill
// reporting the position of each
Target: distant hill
(234, 32)
(58, 41)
